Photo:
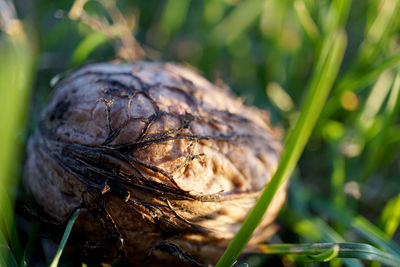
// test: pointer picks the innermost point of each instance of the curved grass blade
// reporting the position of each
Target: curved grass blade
(327, 251)
(328, 255)
(357, 82)
(174, 16)
(324, 76)
(89, 44)
(390, 217)
(314, 230)
(64, 239)
(234, 24)
(377, 151)
(16, 69)
(328, 235)
(369, 231)
(306, 21)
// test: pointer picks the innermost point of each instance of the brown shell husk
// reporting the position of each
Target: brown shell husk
(163, 165)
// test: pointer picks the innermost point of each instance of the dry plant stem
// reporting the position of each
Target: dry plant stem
(159, 160)
(129, 49)
(9, 21)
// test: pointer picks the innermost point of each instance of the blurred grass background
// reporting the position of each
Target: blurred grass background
(346, 185)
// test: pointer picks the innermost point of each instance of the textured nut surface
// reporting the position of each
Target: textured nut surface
(151, 152)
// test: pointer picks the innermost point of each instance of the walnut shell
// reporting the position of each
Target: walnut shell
(158, 160)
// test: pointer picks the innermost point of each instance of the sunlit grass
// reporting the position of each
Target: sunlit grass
(64, 239)
(15, 81)
(354, 80)
(323, 78)
(270, 52)
(323, 252)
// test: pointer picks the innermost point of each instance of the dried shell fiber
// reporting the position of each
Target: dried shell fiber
(155, 156)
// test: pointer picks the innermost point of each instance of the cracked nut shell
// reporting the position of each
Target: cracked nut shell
(163, 165)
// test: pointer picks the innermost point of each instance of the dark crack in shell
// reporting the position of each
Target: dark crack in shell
(158, 160)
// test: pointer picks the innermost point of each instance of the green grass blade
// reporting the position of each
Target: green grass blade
(377, 150)
(174, 16)
(90, 43)
(319, 89)
(390, 218)
(356, 82)
(213, 11)
(374, 103)
(375, 235)
(369, 231)
(300, 221)
(33, 239)
(327, 255)
(337, 15)
(16, 67)
(6, 256)
(308, 24)
(378, 33)
(64, 239)
(317, 227)
(313, 229)
(328, 251)
(237, 22)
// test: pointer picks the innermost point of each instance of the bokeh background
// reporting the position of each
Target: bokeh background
(346, 186)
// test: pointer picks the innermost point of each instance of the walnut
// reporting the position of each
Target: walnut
(163, 165)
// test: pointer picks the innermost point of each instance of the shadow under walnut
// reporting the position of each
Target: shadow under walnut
(158, 160)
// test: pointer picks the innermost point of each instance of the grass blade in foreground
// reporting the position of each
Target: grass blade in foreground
(328, 251)
(16, 68)
(324, 75)
(64, 239)
(365, 228)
